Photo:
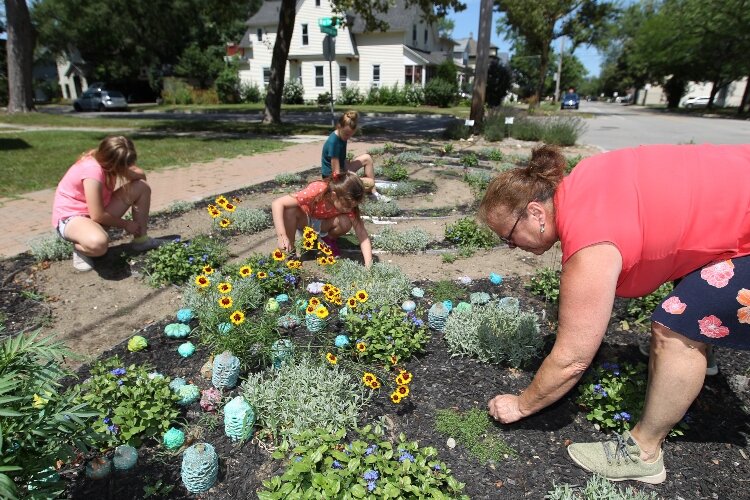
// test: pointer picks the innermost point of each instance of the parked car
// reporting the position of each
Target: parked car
(570, 101)
(96, 99)
(696, 102)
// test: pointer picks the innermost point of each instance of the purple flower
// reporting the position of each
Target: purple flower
(118, 371)
(177, 240)
(436, 467)
(406, 456)
(205, 257)
(297, 459)
(337, 465)
(114, 429)
(371, 475)
(190, 260)
(371, 485)
(107, 420)
(371, 449)
(625, 416)
(120, 382)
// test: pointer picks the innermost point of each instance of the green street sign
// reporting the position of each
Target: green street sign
(329, 30)
(326, 21)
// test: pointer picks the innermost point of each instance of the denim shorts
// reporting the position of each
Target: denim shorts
(316, 224)
(711, 305)
(62, 223)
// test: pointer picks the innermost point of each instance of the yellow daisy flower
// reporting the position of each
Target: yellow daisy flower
(225, 222)
(278, 255)
(337, 300)
(236, 199)
(211, 206)
(308, 244)
(262, 275)
(368, 378)
(321, 261)
(202, 281)
(246, 271)
(321, 312)
(224, 287)
(394, 359)
(207, 270)
(229, 207)
(215, 213)
(407, 377)
(362, 296)
(314, 301)
(310, 309)
(352, 302)
(396, 398)
(327, 288)
(402, 390)
(225, 302)
(330, 260)
(221, 201)
(361, 347)
(331, 358)
(237, 317)
(375, 384)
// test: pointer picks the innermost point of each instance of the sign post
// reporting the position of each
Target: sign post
(328, 26)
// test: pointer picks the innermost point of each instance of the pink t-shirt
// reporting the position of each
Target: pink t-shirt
(668, 209)
(70, 198)
(321, 209)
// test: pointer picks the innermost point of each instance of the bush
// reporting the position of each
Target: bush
(402, 188)
(304, 395)
(274, 276)
(478, 180)
(439, 92)
(563, 131)
(447, 290)
(413, 95)
(385, 332)
(287, 178)
(131, 405)
(395, 172)
(318, 468)
(244, 220)
(40, 424)
(406, 242)
(250, 93)
(228, 85)
(293, 92)
(349, 96)
(178, 261)
(467, 233)
(380, 209)
(324, 99)
(50, 247)
(455, 131)
(527, 129)
(546, 283)
(386, 284)
(495, 333)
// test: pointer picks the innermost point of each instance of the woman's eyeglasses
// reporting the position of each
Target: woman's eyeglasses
(507, 239)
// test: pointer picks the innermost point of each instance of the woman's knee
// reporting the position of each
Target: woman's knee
(664, 338)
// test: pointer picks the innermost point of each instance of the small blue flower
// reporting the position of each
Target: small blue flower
(406, 456)
(118, 371)
(371, 449)
(297, 459)
(371, 475)
(369, 316)
(120, 382)
(177, 240)
(270, 273)
(371, 485)
(205, 257)
(337, 465)
(625, 416)
(617, 416)
(114, 429)
(107, 420)
(190, 260)
(436, 467)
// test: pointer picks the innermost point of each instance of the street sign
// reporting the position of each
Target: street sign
(329, 30)
(329, 48)
(326, 21)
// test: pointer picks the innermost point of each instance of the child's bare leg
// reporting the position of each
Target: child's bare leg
(337, 226)
(135, 194)
(364, 161)
(88, 237)
(294, 219)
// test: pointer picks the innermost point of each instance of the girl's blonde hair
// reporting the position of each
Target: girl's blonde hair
(349, 119)
(347, 186)
(115, 154)
(515, 188)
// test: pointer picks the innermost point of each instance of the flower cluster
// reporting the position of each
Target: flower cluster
(225, 301)
(403, 379)
(314, 306)
(215, 211)
(311, 242)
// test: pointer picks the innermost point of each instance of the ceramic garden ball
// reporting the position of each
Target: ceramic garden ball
(224, 328)
(125, 457)
(417, 292)
(465, 280)
(176, 383)
(239, 419)
(137, 343)
(282, 298)
(463, 306)
(314, 324)
(98, 468)
(479, 298)
(408, 305)
(448, 304)
(341, 341)
(272, 305)
(173, 438)
(186, 350)
(185, 315)
(188, 394)
(437, 316)
(281, 351)
(200, 467)
(288, 321)
(226, 370)
(495, 279)
(177, 330)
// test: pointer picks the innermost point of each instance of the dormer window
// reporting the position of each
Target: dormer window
(414, 33)
(305, 38)
(260, 34)
(425, 36)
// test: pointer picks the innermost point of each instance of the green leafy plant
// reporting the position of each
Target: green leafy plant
(469, 160)
(50, 247)
(495, 333)
(472, 429)
(395, 172)
(385, 284)
(131, 405)
(387, 331)
(449, 258)
(273, 276)
(613, 395)
(304, 394)
(157, 489)
(40, 424)
(639, 310)
(408, 157)
(325, 465)
(402, 242)
(545, 283)
(493, 154)
(244, 220)
(446, 290)
(466, 232)
(178, 261)
(448, 148)
(571, 162)
(478, 182)
(598, 488)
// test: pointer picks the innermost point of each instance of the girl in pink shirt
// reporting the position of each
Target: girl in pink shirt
(88, 200)
(329, 206)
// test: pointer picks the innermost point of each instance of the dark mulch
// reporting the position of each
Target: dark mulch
(708, 462)
(22, 309)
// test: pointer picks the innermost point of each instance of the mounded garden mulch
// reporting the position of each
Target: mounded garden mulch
(709, 461)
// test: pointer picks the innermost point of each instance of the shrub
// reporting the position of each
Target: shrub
(131, 405)
(447, 290)
(293, 92)
(598, 488)
(405, 242)
(402, 188)
(178, 207)
(469, 160)
(250, 93)
(350, 95)
(386, 284)
(324, 465)
(413, 95)
(572, 161)
(466, 232)
(439, 92)
(380, 209)
(286, 178)
(244, 220)
(387, 331)
(324, 99)
(473, 430)
(50, 247)
(494, 333)
(408, 157)
(395, 172)
(478, 180)
(304, 395)
(178, 261)
(228, 85)
(492, 154)
(40, 424)
(562, 130)
(455, 131)
(545, 283)
(527, 129)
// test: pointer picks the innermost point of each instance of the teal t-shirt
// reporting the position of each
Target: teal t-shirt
(333, 148)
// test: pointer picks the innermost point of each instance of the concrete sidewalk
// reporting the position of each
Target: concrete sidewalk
(29, 216)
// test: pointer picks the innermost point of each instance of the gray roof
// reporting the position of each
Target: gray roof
(267, 14)
(468, 44)
(399, 18)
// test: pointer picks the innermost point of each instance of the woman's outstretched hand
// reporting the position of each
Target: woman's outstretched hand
(505, 408)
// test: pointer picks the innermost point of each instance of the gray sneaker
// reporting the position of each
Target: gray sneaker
(82, 262)
(644, 346)
(148, 244)
(618, 460)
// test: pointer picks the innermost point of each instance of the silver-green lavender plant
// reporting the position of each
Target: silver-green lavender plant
(598, 488)
(402, 242)
(385, 284)
(50, 247)
(245, 220)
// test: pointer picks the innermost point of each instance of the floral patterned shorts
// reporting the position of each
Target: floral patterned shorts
(711, 305)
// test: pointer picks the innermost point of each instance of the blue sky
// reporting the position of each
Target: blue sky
(467, 22)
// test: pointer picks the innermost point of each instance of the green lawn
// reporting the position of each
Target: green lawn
(30, 161)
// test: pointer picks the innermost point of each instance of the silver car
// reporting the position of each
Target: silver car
(95, 99)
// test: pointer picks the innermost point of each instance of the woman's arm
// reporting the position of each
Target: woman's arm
(587, 293)
(284, 234)
(92, 189)
(364, 241)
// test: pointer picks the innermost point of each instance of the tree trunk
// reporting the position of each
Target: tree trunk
(20, 49)
(275, 89)
(745, 95)
(543, 63)
(483, 56)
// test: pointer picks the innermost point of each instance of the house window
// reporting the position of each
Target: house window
(413, 75)
(319, 76)
(376, 75)
(425, 37)
(305, 39)
(343, 76)
(317, 3)
(266, 76)
(260, 34)
(414, 33)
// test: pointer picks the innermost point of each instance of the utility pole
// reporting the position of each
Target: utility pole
(483, 56)
(559, 70)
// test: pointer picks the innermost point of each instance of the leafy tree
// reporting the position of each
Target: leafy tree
(200, 65)
(499, 79)
(526, 71)
(447, 71)
(21, 39)
(445, 27)
(540, 22)
(367, 9)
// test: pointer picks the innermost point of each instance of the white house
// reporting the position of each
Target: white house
(407, 53)
(729, 96)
